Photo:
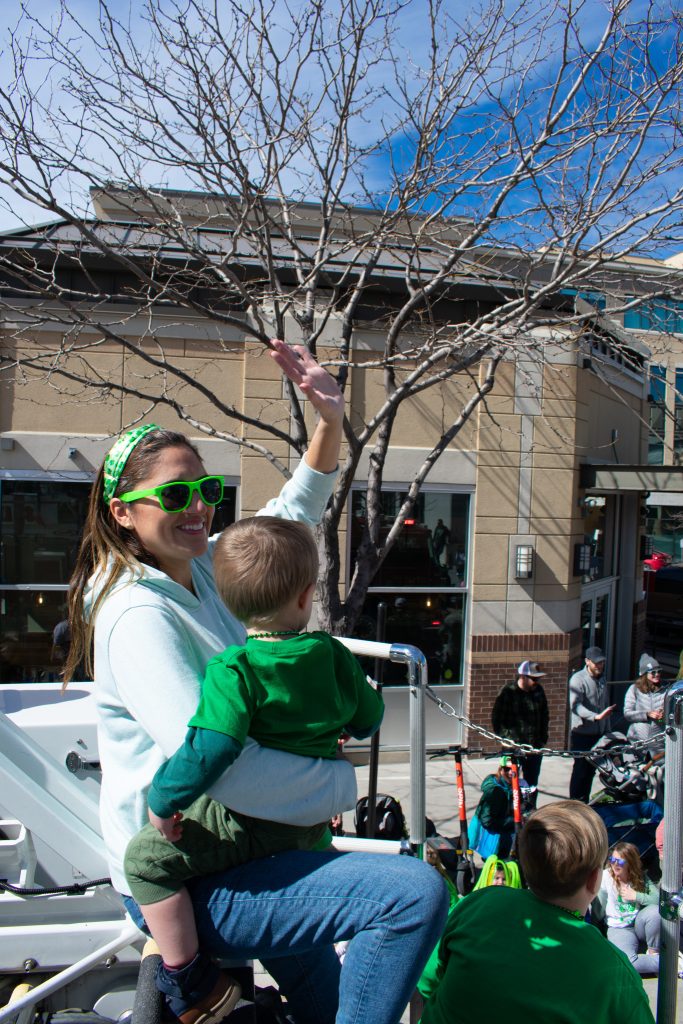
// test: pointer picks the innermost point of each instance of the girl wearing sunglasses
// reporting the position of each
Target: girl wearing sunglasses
(644, 704)
(630, 903)
(143, 594)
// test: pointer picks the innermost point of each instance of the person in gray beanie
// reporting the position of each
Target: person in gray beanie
(644, 703)
(589, 714)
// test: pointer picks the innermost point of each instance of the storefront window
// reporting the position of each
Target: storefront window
(422, 582)
(40, 530)
(665, 527)
(432, 549)
(431, 622)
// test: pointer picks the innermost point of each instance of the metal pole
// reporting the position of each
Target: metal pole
(670, 888)
(417, 679)
(374, 742)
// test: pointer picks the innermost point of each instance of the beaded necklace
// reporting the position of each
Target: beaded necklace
(575, 913)
(276, 632)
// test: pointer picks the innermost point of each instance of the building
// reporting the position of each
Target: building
(524, 542)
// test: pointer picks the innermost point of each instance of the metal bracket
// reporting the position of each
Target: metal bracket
(676, 711)
(75, 763)
(670, 904)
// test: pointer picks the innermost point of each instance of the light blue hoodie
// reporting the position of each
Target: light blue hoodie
(153, 639)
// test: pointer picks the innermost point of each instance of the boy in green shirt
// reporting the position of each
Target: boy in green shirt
(518, 956)
(285, 688)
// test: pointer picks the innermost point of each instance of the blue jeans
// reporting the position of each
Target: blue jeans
(583, 771)
(288, 910)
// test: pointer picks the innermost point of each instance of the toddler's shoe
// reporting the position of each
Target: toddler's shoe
(199, 993)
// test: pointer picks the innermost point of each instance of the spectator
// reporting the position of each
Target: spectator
(517, 955)
(496, 873)
(589, 714)
(265, 570)
(492, 826)
(144, 586)
(61, 645)
(499, 872)
(630, 904)
(520, 713)
(644, 703)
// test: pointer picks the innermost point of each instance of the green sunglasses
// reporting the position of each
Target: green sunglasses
(176, 496)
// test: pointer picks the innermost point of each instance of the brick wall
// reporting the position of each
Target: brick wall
(494, 661)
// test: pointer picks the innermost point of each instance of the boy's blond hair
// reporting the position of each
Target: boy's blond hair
(261, 563)
(560, 845)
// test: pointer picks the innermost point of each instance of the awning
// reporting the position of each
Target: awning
(667, 499)
(603, 479)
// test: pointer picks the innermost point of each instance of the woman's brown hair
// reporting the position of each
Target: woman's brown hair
(629, 853)
(645, 684)
(108, 549)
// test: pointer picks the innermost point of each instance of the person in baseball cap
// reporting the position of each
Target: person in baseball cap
(520, 713)
(589, 714)
(531, 669)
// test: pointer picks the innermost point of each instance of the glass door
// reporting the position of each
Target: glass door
(597, 613)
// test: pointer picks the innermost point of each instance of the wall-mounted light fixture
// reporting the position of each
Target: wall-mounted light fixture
(524, 562)
(582, 559)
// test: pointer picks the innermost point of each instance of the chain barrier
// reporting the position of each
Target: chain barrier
(526, 748)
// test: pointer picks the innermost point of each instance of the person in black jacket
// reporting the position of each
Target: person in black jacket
(520, 713)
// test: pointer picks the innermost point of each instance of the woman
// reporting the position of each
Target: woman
(143, 590)
(630, 904)
(492, 827)
(644, 701)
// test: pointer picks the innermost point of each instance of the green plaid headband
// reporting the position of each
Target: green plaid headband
(117, 458)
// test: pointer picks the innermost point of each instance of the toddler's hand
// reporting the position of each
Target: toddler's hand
(170, 828)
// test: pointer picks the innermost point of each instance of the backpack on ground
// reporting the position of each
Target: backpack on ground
(390, 822)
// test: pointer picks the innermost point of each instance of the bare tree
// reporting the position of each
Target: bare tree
(439, 182)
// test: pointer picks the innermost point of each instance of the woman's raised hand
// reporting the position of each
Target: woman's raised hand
(316, 383)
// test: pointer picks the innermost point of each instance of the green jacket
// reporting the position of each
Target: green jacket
(495, 806)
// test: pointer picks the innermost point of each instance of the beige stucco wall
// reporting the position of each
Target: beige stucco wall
(540, 423)
(520, 452)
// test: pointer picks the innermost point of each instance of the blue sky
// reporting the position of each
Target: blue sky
(472, 135)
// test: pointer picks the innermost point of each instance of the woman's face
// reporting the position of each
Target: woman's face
(619, 866)
(174, 539)
(655, 677)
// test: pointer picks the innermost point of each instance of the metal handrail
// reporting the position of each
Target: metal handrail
(416, 663)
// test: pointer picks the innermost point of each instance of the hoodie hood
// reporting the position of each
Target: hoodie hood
(150, 578)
